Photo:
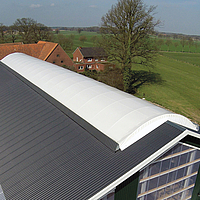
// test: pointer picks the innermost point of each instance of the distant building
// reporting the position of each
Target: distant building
(47, 51)
(92, 58)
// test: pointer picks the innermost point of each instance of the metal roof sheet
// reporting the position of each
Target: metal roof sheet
(44, 154)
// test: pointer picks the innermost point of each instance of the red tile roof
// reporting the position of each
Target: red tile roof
(47, 49)
(40, 50)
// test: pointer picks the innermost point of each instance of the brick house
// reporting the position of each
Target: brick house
(92, 58)
(47, 51)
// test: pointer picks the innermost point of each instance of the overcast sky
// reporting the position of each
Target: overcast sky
(177, 16)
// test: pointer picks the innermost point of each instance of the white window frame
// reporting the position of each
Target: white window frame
(80, 67)
(89, 66)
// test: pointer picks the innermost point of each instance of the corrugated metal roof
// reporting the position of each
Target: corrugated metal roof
(44, 154)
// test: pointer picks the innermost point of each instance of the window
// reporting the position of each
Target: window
(54, 62)
(89, 66)
(89, 59)
(80, 67)
(61, 61)
(171, 176)
(96, 59)
(58, 55)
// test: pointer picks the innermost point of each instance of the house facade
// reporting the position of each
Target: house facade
(47, 51)
(91, 58)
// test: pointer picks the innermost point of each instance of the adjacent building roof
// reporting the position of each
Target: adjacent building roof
(49, 151)
(40, 50)
(92, 52)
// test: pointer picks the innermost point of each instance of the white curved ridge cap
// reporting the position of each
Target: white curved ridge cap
(121, 116)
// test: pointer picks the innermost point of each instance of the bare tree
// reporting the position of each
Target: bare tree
(190, 43)
(13, 33)
(83, 38)
(79, 30)
(176, 44)
(183, 42)
(2, 33)
(168, 43)
(125, 36)
(31, 31)
(65, 42)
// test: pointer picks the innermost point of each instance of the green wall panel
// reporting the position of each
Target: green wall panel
(128, 189)
(196, 191)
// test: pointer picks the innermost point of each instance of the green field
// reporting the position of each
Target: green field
(180, 92)
(192, 58)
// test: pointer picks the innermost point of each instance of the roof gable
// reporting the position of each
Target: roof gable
(48, 48)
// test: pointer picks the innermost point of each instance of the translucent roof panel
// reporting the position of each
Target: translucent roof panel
(122, 117)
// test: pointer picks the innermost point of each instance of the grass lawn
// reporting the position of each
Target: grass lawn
(192, 58)
(181, 91)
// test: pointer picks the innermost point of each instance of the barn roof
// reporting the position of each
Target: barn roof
(47, 150)
(40, 50)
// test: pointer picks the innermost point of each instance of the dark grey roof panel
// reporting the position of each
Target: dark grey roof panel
(93, 52)
(44, 154)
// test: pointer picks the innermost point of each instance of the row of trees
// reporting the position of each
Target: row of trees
(183, 42)
(26, 30)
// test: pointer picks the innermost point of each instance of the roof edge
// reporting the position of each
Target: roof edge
(143, 164)
(56, 44)
(150, 125)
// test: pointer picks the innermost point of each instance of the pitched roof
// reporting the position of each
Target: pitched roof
(93, 52)
(46, 154)
(40, 50)
(47, 49)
